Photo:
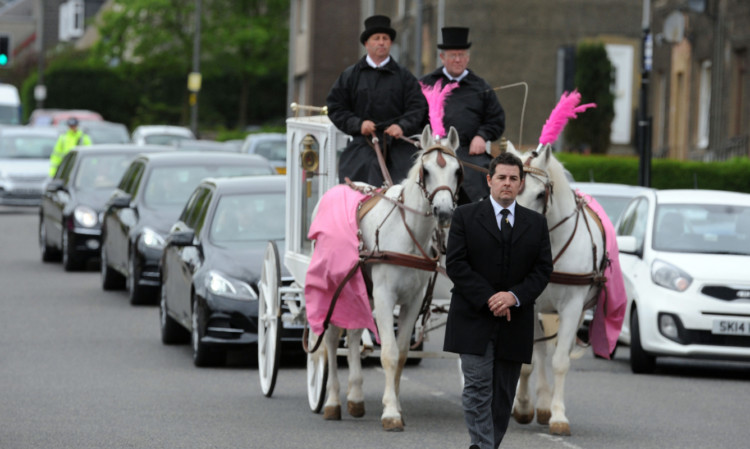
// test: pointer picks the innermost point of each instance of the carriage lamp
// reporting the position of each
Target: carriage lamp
(309, 157)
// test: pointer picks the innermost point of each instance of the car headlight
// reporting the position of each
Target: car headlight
(669, 276)
(222, 285)
(85, 216)
(152, 239)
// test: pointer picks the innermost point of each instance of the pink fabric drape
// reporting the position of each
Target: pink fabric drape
(336, 252)
(610, 307)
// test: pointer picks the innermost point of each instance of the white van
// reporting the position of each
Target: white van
(10, 105)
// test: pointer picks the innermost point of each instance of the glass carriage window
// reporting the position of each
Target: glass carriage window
(310, 162)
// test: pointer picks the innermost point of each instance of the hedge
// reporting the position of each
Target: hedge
(732, 175)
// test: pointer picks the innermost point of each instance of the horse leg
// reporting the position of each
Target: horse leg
(543, 389)
(389, 354)
(355, 399)
(523, 411)
(407, 317)
(332, 408)
(566, 334)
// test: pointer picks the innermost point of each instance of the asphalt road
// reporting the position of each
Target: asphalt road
(81, 368)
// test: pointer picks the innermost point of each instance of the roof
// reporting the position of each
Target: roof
(698, 196)
(609, 189)
(121, 148)
(245, 184)
(162, 129)
(209, 158)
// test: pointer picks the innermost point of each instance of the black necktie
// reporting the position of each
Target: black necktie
(505, 227)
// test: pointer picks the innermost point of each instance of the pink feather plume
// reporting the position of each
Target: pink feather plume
(566, 109)
(436, 96)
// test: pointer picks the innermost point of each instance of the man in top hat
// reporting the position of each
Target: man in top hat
(472, 108)
(66, 142)
(376, 97)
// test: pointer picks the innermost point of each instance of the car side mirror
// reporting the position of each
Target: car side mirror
(55, 185)
(627, 244)
(181, 238)
(120, 202)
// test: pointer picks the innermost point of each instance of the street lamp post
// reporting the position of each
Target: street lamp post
(194, 79)
(644, 121)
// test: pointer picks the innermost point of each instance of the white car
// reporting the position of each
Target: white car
(271, 146)
(24, 163)
(685, 258)
(612, 197)
(160, 134)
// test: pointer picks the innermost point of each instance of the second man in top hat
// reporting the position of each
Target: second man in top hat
(472, 108)
(376, 97)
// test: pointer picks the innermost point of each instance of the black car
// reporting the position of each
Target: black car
(145, 205)
(212, 264)
(73, 201)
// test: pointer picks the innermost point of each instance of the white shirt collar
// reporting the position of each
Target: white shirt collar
(372, 64)
(497, 208)
(452, 78)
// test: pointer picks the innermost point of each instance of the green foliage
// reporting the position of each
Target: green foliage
(665, 173)
(593, 78)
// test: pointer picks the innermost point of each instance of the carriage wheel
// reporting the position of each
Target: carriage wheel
(317, 375)
(269, 320)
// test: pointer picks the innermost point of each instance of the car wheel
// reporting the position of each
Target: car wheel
(202, 355)
(70, 261)
(49, 254)
(641, 362)
(111, 279)
(137, 293)
(171, 331)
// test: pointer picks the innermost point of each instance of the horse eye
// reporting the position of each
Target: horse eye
(426, 174)
(540, 196)
(458, 172)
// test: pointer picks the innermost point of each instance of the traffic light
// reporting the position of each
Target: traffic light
(4, 51)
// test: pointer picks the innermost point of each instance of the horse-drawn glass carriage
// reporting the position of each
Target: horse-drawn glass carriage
(312, 161)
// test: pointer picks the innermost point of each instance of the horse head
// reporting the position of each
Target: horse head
(543, 173)
(439, 173)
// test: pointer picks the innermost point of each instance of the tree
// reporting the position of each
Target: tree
(593, 77)
(246, 39)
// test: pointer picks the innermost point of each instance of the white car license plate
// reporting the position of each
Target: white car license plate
(731, 327)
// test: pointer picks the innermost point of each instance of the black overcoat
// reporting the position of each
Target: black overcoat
(386, 95)
(474, 110)
(474, 264)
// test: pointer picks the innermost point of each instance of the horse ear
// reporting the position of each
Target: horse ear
(426, 139)
(546, 152)
(453, 140)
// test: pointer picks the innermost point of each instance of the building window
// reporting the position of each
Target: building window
(71, 22)
(704, 104)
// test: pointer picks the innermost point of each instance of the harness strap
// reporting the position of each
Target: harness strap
(381, 161)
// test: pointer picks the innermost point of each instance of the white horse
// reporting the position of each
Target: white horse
(578, 250)
(429, 196)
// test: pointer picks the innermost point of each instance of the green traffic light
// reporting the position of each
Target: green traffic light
(3, 59)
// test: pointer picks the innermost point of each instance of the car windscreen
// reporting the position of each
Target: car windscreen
(101, 171)
(108, 135)
(251, 217)
(612, 205)
(273, 150)
(702, 228)
(9, 115)
(164, 139)
(26, 147)
(172, 186)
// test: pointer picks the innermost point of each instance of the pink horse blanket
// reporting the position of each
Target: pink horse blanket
(610, 307)
(336, 252)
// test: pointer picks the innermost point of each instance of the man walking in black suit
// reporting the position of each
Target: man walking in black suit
(499, 260)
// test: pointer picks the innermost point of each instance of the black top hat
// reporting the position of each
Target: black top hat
(377, 24)
(455, 38)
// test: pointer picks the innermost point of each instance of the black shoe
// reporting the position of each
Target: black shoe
(473, 446)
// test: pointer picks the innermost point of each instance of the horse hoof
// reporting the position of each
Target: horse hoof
(393, 424)
(332, 413)
(560, 428)
(523, 418)
(543, 416)
(356, 409)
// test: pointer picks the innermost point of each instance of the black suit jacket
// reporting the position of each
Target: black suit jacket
(474, 264)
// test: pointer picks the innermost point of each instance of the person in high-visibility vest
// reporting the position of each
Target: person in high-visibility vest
(72, 138)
